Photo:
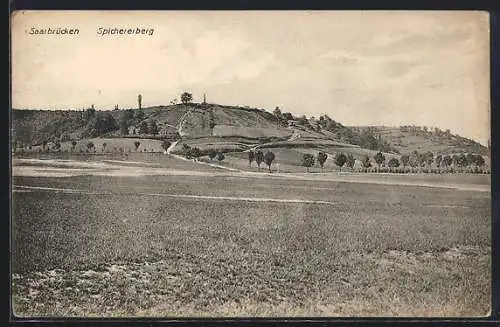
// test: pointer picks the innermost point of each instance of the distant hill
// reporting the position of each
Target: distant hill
(416, 138)
(214, 125)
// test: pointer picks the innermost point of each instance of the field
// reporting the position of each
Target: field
(143, 238)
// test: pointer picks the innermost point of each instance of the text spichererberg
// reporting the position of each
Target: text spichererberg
(125, 31)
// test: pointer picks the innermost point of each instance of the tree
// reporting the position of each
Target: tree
(220, 156)
(366, 162)
(153, 128)
(340, 160)
(414, 159)
(350, 161)
(462, 160)
(57, 144)
(143, 127)
(287, 116)
(212, 154)
(259, 158)
(90, 146)
(139, 101)
(393, 163)
(308, 161)
(124, 127)
(479, 160)
(429, 158)
(65, 137)
(251, 157)
(101, 123)
(379, 159)
(166, 144)
(137, 144)
(471, 159)
(196, 153)
(439, 159)
(104, 146)
(322, 158)
(186, 97)
(128, 114)
(447, 160)
(139, 115)
(405, 159)
(269, 158)
(303, 120)
(277, 114)
(73, 145)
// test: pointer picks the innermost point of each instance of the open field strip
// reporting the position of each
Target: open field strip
(190, 196)
(122, 170)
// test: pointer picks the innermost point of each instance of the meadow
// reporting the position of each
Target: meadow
(236, 245)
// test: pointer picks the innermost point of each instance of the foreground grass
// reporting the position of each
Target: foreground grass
(377, 250)
(393, 283)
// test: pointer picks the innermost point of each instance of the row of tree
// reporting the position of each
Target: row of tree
(414, 160)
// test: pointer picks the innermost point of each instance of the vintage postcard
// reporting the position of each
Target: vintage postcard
(250, 164)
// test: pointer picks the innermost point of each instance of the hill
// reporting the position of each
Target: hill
(229, 129)
(407, 139)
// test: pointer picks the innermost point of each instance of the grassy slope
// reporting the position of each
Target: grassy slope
(391, 254)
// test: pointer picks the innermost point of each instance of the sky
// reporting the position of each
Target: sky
(358, 67)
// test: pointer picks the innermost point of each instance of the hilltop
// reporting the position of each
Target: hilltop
(229, 129)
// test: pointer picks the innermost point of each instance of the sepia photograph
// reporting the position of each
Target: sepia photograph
(250, 164)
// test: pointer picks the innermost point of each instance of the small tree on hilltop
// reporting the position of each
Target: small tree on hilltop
(137, 144)
(73, 145)
(186, 97)
(220, 156)
(259, 158)
(379, 159)
(322, 158)
(277, 114)
(340, 160)
(269, 158)
(308, 161)
(251, 157)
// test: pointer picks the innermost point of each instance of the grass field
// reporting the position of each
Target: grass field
(225, 245)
